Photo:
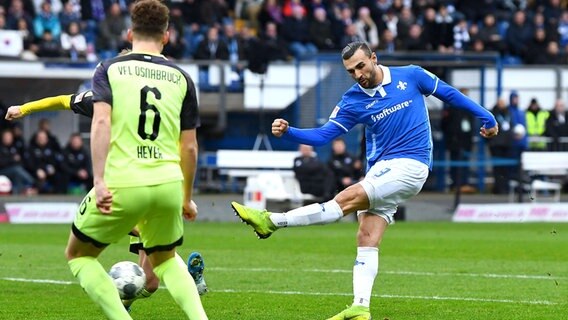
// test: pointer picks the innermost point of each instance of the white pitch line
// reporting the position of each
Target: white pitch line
(411, 273)
(388, 296)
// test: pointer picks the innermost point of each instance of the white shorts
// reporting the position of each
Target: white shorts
(391, 182)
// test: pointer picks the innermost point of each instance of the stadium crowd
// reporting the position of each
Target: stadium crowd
(522, 31)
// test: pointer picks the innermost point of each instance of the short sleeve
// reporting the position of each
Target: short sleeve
(189, 117)
(82, 103)
(101, 85)
(426, 80)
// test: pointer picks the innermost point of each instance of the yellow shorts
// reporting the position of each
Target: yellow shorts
(155, 210)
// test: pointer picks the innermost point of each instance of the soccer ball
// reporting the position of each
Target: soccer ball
(129, 279)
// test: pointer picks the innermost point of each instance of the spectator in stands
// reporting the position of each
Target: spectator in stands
(235, 47)
(45, 126)
(554, 55)
(175, 48)
(94, 10)
(490, 35)
(414, 41)
(458, 127)
(16, 13)
(563, 29)
(551, 31)
(48, 46)
(405, 21)
(43, 163)
(56, 5)
(390, 20)
(296, 31)
(274, 47)
(536, 50)
(553, 11)
(190, 12)
(350, 35)
(248, 10)
(4, 124)
(343, 17)
(366, 28)
(73, 43)
(18, 135)
(112, 31)
(289, 5)
(430, 29)
(76, 164)
(213, 12)
(12, 165)
(30, 48)
(461, 36)
(519, 35)
(46, 20)
(518, 125)
(388, 41)
(557, 127)
(342, 164)
(536, 125)
(444, 30)
(313, 175)
(321, 30)
(212, 48)
(69, 15)
(271, 11)
(501, 147)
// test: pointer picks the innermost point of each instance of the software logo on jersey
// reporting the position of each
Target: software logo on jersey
(402, 85)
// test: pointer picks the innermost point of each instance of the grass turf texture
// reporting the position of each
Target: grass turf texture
(427, 271)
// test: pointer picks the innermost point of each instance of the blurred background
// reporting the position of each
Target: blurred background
(255, 60)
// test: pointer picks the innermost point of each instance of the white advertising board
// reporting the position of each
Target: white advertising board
(512, 212)
(55, 212)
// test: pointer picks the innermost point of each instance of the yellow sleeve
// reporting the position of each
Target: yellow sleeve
(62, 102)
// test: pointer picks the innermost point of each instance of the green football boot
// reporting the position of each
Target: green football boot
(259, 220)
(353, 313)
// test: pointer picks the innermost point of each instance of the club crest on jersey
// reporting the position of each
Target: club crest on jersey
(334, 112)
(402, 85)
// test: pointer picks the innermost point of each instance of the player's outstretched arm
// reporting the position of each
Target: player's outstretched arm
(46, 104)
(314, 136)
(188, 162)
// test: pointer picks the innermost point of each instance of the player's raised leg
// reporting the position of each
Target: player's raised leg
(265, 223)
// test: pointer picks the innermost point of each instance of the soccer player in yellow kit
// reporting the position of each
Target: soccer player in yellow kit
(82, 103)
(144, 148)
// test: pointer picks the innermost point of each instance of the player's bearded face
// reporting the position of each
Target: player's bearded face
(363, 69)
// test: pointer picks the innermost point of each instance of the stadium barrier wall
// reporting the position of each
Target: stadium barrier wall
(512, 212)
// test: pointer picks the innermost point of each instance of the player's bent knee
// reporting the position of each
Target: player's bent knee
(352, 199)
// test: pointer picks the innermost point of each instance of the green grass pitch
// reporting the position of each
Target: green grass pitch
(427, 271)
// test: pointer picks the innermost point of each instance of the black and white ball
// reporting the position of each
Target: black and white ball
(129, 279)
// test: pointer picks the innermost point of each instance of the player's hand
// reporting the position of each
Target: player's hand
(489, 133)
(279, 126)
(103, 197)
(190, 210)
(13, 113)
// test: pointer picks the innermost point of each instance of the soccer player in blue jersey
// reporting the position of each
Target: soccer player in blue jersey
(389, 101)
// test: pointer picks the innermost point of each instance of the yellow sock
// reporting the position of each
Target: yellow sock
(182, 288)
(98, 285)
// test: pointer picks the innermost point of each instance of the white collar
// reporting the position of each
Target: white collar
(386, 80)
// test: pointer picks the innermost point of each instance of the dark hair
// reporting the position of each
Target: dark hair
(352, 47)
(150, 18)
